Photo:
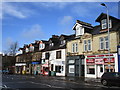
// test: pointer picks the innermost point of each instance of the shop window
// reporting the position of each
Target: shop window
(46, 69)
(90, 70)
(71, 68)
(58, 69)
(58, 54)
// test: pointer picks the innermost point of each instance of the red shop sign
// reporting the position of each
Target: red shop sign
(106, 60)
(99, 61)
(90, 60)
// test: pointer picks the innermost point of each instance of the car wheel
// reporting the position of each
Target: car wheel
(104, 82)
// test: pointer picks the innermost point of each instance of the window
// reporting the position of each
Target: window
(62, 42)
(101, 43)
(51, 44)
(74, 47)
(58, 54)
(58, 69)
(90, 69)
(79, 30)
(89, 45)
(104, 43)
(26, 50)
(71, 68)
(104, 24)
(47, 55)
(41, 46)
(85, 45)
(31, 48)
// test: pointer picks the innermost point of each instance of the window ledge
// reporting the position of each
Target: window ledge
(87, 51)
(103, 50)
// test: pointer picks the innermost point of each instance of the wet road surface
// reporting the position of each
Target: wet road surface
(28, 81)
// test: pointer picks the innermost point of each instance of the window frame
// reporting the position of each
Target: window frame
(101, 42)
(105, 24)
(85, 45)
(58, 54)
(89, 45)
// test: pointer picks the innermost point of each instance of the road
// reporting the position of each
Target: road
(27, 81)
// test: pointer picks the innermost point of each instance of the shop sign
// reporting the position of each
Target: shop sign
(106, 60)
(90, 60)
(71, 61)
(103, 55)
(99, 61)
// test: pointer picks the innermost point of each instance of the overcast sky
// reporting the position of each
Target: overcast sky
(27, 22)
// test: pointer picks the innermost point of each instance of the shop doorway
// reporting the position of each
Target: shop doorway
(100, 70)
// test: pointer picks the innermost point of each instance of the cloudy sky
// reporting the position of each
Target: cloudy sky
(26, 22)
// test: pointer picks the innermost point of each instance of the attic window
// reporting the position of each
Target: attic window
(51, 44)
(26, 50)
(104, 24)
(79, 30)
(31, 48)
(62, 42)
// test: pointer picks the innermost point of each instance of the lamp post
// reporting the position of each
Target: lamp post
(108, 35)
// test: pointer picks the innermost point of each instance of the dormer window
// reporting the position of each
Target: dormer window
(31, 48)
(51, 44)
(26, 50)
(104, 24)
(41, 46)
(62, 42)
(79, 30)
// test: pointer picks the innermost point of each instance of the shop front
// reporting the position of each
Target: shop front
(20, 68)
(75, 65)
(58, 66)
(96, 65)
(44, 69)
(36, 68)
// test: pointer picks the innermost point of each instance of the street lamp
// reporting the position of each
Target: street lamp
(108, 34)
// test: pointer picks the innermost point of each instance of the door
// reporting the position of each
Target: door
(100, 70)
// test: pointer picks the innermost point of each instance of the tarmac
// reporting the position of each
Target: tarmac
(77, 79)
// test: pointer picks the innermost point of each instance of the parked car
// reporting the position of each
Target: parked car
(111, 79)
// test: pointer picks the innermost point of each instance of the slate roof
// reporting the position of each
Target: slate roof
(115, 24)
(57, 44)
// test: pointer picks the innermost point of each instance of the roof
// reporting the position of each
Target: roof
(84, 24)
(57, 44)
(103, 16)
